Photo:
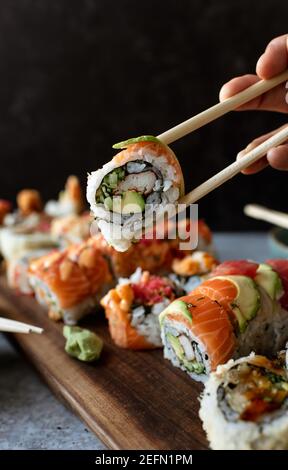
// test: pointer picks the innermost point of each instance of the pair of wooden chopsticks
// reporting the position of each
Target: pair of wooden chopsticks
(13, 326)
(215, 112)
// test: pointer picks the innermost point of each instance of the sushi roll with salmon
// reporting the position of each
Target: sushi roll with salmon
(70, 201)
(245, 405)
(71, 229)
(151, 255)
(234, 312)
(18, 270)
(133, 308)
(133, 189)
(70, 283)
(192, 270)
(155, 255)
(197, 335)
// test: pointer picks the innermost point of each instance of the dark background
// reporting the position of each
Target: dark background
(78, 75)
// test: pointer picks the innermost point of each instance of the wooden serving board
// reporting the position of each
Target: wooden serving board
(130, 400)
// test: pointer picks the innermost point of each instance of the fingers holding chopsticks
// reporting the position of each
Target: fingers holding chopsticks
(273, 100)
(276, 157)
(271, 63)
(274, 59)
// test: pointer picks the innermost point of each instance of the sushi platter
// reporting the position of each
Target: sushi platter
(147, 321)
(129, 399)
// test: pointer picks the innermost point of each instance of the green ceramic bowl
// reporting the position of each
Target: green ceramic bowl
(278, 243)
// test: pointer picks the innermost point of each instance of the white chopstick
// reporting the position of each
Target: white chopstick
(222, 108)
(235, 168)
(13, 326)
(268, 215)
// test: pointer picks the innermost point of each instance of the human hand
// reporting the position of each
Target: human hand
(271, 63)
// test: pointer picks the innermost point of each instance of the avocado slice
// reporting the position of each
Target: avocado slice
(132, 202)
(135, 140)
(177, 306)
(191, 366)
(194, 366)
(270, 281)
(246, 305)
(176, 345)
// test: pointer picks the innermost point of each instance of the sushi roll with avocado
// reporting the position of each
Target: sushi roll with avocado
(133, 189)
(133, 309)
(245, 405)
(234, 312)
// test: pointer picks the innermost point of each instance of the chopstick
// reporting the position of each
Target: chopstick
(222, 108)
(268, 215)
(12, 326)
(235, 168)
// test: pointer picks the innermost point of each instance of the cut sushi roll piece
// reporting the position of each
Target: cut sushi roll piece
(70, 283)
(192, 270)
(133, 190)
(71, 229)
(70, 201)
(32, 233)
(258, 321)
(245, 405)
(29, 210)
(150, 255)
(197, 335)
(133, 309)
(18, 270)
(155, 255)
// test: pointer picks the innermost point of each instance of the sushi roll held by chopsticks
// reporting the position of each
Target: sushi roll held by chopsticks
(139, 181)
(244, 405)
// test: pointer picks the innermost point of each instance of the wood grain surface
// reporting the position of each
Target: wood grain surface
(130, 400)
